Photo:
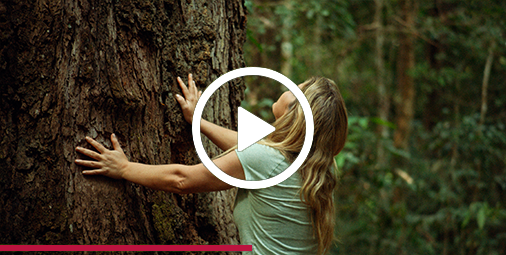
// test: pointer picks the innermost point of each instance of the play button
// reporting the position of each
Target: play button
(250, 129)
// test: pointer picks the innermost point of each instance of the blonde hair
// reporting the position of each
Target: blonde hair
(319, 171)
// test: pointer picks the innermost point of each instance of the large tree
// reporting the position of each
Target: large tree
(70, 69)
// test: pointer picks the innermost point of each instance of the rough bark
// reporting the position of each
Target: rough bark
(405, 83)
(74, 68)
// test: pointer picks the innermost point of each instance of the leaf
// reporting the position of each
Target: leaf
(467, 218)
(251, 37)
(249, 5)
(383, 122)
(481, 217)
(352, 120)
(340, 161)
(502, 60)
(363, 122)
(399, 152)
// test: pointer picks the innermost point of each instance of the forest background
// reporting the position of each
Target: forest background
(423, 171)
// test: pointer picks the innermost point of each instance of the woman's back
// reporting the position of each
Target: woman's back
(273, 220)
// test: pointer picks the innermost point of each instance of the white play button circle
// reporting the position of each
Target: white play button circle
(250, 129)
(257, 134)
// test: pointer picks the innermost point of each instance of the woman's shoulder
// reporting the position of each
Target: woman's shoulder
(261, 151)
(260, 159)
(263, 147)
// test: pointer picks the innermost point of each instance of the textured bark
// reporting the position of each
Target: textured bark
(74, 68)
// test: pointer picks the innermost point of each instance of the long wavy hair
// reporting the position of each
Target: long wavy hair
(319, 170)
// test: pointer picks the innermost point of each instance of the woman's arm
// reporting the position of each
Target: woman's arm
(174, 178)
(224, 138)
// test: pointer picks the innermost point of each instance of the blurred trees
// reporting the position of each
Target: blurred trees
(423, 171)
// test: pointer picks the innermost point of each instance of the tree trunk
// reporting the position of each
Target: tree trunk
(405, 83)
(74, 68)
(286, 41)
(383, 98)
(266, 51)
(317, 44)
(484, 86)
(432, 113)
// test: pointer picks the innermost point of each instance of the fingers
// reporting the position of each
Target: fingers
(96, 144)
(185, 90)
(89, 163)
(104, 161)
(95, 172)
(190, 99)
(89, 153)
(191, 85)
(180, 100)
(115, 143)
(189, 92)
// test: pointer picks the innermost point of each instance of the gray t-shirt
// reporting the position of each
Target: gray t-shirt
(274, 220)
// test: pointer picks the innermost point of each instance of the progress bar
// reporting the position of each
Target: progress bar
(125, 247)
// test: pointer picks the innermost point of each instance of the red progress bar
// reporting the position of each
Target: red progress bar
(125, 247)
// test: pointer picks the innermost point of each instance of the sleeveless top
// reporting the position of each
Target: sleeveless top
(274, 220)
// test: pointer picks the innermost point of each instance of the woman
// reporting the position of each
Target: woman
(293, 217)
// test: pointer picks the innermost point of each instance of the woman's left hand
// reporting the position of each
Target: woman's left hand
(111, 163)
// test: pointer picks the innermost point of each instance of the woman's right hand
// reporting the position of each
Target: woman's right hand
(191, 96)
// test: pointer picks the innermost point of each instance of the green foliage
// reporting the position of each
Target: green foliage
(358, 132)
(447, 197)
(262, 108)
(445, 193)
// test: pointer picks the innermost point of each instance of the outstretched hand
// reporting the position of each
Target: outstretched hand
(111, 163)
(191, 96)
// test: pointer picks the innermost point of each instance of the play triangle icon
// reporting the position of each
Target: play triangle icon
(250, 129)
